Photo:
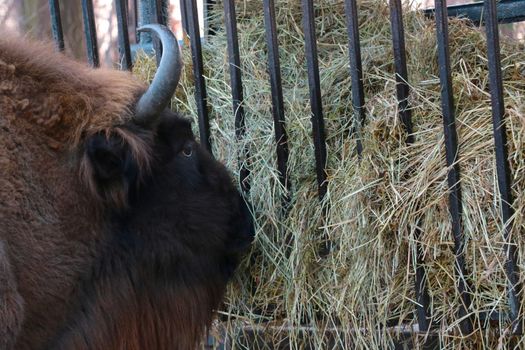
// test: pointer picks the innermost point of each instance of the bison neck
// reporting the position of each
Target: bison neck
(144, 295)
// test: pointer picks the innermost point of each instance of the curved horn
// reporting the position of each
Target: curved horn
(166, 78)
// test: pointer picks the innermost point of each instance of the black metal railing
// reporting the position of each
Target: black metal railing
(274, 69)
(452, 154)
(504, 11)
(356, 70)
(91, 32)
(316, 104)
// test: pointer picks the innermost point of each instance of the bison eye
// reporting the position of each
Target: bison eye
(187, 151)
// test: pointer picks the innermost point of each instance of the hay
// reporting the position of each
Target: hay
(375, 204)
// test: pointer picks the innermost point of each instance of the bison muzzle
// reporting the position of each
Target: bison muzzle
(117, 229)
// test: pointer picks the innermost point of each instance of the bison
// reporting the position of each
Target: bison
(117, 229)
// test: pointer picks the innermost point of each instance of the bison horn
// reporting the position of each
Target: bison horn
(156, 98)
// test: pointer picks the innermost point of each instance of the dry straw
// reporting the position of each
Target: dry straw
(284, 289)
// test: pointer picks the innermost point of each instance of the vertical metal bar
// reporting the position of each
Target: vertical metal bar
(236, 86)
(356, 69)
(123, 38)
(90, 32)
(502, 165)
(184, 15)
(402, 88)
(162, 12)
(198, 71)
(274, 68)
(148, 13)
(155, 11)
(315, 95)
(402, 92)
(452, 154)
(136, 14)
(56, 24)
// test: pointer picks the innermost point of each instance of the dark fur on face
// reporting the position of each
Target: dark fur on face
(174, 247)
(112, 235)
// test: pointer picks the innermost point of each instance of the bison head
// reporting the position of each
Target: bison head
(155, 178)
(137, 255)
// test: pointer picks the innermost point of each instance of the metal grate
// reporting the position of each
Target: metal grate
(504, 11)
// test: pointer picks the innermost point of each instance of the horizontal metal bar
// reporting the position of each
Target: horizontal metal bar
(509, 11)
(56, 24)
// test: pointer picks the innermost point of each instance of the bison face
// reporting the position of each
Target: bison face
(184, 199)
(122, 166)
(163, 189)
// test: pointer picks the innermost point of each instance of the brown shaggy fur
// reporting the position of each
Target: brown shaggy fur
(48, 219)
(64, 102)
(112, 237)
(60, 97)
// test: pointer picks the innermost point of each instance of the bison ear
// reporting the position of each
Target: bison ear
(109, 168)
(110, 158)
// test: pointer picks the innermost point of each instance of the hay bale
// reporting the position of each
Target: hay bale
(376, 203)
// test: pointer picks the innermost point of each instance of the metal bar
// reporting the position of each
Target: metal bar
(315, 95)
(509, 11)
(452, 155)
(274, 68)
(198, 73)
(156, 17)
(146, 14)
(56, 24)
(356, 70)
(136, 14)
(123, 38)
(405, 115)
(236, 86)
(184, 15)
(502, 164)
(402, 88)
(90, 32)
(162, 12)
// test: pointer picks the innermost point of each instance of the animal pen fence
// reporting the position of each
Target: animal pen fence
(489, 14)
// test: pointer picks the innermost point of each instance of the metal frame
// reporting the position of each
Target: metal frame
(504, 11)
